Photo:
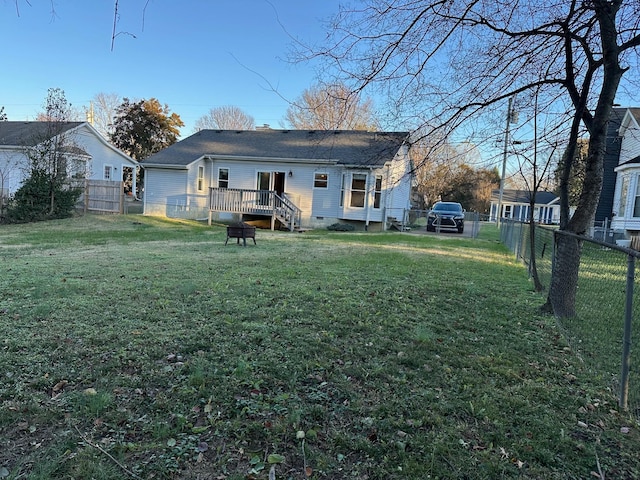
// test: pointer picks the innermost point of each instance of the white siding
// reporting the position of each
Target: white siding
(101, 154)
(629, 177)
(12, 165)
(630, 147)
(173, 192)
(13, 162)
(164, 192)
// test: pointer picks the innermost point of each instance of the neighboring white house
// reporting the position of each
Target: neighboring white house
(317, 177)
(89, 154)
(626, 200)
(516, 205)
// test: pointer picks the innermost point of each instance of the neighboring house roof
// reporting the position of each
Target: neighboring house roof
(633, 161)
(523, 196)
(635, 111)
(631, 116)
(344, 147)
(28, 134)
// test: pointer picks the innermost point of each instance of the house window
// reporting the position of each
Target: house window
(108, 172)
(358, 189)
(342, 189)
(636, 200)
(320, 180)
(624, 191)
(377, 194)
(507, 211)
(200, 178)
(223, 178)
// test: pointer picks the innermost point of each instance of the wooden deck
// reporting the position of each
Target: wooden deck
(255, 202)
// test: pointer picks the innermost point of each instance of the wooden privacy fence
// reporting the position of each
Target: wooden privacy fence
(104, 196)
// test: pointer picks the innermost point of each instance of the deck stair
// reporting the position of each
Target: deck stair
(266, 203)
(393, 222)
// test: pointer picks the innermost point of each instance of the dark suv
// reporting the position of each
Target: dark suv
(446, 215)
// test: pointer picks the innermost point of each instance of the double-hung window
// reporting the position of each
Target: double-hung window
(108, 172)
(223, 178)
(377, 193)
(200, 183)
(358, 189)
(320, 180)
(636, 199)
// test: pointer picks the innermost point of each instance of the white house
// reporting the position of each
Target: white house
(626, 200)
(516, 205)
(299, 178)
(89, 154)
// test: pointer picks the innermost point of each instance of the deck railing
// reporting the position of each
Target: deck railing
(255, 202)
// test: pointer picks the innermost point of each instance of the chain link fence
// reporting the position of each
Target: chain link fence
(416, 220)
(607, 305)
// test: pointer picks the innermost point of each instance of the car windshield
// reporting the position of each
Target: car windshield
(447, 207)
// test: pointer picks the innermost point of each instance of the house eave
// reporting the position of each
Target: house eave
(303, 161)
(165, 166)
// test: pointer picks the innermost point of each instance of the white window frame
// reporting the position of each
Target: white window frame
(220, 180)
(107, 172)
(635, 213)
(377, 192)
(362, 191)
(319, 181)
(200, 179)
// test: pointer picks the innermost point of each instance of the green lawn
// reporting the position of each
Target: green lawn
(135, 347)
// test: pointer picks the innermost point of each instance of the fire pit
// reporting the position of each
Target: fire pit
(241, 231)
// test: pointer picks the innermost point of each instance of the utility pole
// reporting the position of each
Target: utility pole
(511, 118)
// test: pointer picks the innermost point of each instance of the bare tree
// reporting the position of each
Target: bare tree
(536, 160)
(331, 107)
(449, 62)
(225, 118)
(102, 111)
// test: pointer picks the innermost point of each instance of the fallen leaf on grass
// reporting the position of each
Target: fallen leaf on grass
(59, 386)
(625, 430)
(308, 471)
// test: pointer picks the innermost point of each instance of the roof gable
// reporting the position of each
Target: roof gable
(343, 147)
(631, 119)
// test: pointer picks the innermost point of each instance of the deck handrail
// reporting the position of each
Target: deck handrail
(259, 202)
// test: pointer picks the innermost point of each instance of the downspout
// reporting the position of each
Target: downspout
(367, 200)
(134, 183)
(383, 199)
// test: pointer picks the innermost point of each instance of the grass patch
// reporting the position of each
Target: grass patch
(139, 347)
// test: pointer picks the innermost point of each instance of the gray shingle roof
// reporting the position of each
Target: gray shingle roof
(523, 196)
(25, 134)
(345, 147)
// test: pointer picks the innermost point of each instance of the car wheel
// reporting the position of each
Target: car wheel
(461, 230)
(431, 229)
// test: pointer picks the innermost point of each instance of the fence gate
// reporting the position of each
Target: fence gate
(102, 196)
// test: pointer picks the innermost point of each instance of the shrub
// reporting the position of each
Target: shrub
(341, 227)
(33, 200)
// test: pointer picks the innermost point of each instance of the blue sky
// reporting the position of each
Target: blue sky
(191, 55)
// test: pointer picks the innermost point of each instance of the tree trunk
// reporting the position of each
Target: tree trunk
(561, 300)
(533, 267)
(564, 281)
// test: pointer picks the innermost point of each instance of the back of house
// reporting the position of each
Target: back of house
(315, 177)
